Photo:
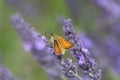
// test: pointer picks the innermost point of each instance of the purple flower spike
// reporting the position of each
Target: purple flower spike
(69, 68)
(5, 74)
(68, 29)
(38, 45)
(85, 61)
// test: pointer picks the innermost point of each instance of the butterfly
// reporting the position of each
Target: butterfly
(60, 44)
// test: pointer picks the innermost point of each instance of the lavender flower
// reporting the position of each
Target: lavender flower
(5, 74)
(85, 61)
(37, 44)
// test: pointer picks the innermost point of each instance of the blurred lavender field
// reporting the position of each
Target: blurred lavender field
(97, 23)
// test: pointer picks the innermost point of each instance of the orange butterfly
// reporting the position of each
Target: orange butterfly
(60, 44)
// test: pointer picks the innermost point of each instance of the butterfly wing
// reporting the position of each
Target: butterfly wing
(57, 48)
(65, 44)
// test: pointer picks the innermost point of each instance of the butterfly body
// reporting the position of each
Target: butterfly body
(60, 44)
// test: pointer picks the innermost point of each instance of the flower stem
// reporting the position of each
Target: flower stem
(78, 76)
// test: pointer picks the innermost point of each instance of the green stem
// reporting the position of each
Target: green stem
(78, 76)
